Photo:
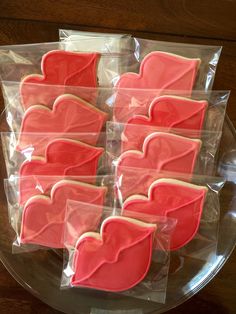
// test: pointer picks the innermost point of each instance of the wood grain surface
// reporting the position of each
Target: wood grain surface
(209, 18)
(203, 22)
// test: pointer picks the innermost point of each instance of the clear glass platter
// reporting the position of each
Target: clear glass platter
(40, 272)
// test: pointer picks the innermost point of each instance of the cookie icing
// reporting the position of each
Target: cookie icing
(59, 69)
(63, 157)
(161, 152)
(165, 112)
(39, 185)
(158, 70)
(43, 217)
(70, 114)
(111, 255)
(174, 199)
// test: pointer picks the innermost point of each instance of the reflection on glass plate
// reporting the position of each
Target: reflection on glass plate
(40, 272)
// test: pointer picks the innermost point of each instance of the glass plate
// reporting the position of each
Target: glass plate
(40, 272)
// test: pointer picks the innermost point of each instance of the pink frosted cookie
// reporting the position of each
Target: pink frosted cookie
(174, 199)
(162, 152)
(70, 114)
(167, 112)
(43, 217)
(38, 185)
(62, 68)
(158, 70)
(105, 261)
(63, 157)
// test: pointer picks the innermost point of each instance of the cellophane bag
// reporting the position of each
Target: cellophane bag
(63, 109)
(161, 149)
(108, 41)
(204, 110)
(102, 43)
(53, 154)
(37, 206)
(194, 203)
(60, 63)
(173, 108)
(179, 66)
(103, 259)
(198, 61)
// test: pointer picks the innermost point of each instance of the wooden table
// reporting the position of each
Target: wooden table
(190, 21)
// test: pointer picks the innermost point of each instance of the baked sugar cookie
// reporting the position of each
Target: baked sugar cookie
(43, 217)
(70, 114)
(163, 152)
(165, 112)
(158, 70)
(63, 157)
(174, 199)
(59, 69)
(111, 255)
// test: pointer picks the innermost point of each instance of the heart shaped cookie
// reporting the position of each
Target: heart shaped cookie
(70, 114)
(174, 199)
(43, 217)
(111, 255)
(59, 69)
(165, 112)
(158, 70)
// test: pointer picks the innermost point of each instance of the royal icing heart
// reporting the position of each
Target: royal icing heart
(63, 157)
(43, 217)
(162, 152)
(158, 70)
(70, 114)
(167, 112)
(111, 255)
(174, 199)
(59, 69)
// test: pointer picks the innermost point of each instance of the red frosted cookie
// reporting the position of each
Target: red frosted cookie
(70, 114)
(158, 70)
(43, 217)
(63, 157)
(162, 152)
(111, 255)
(62, 68)
(37, 185)
(174, 199)
(167, 112)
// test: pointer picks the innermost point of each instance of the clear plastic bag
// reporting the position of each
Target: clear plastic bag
(20, 189)
(165, 67)
(195, 205)
(182, 63)
(203, 111)
(208, 55)
(124, 137)
(131, 104)
(108, 42)
(37, 206)
(118, 234)
(53, 154)
(66, 107)
(98, 42)
(59, 63)
(161, 149)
